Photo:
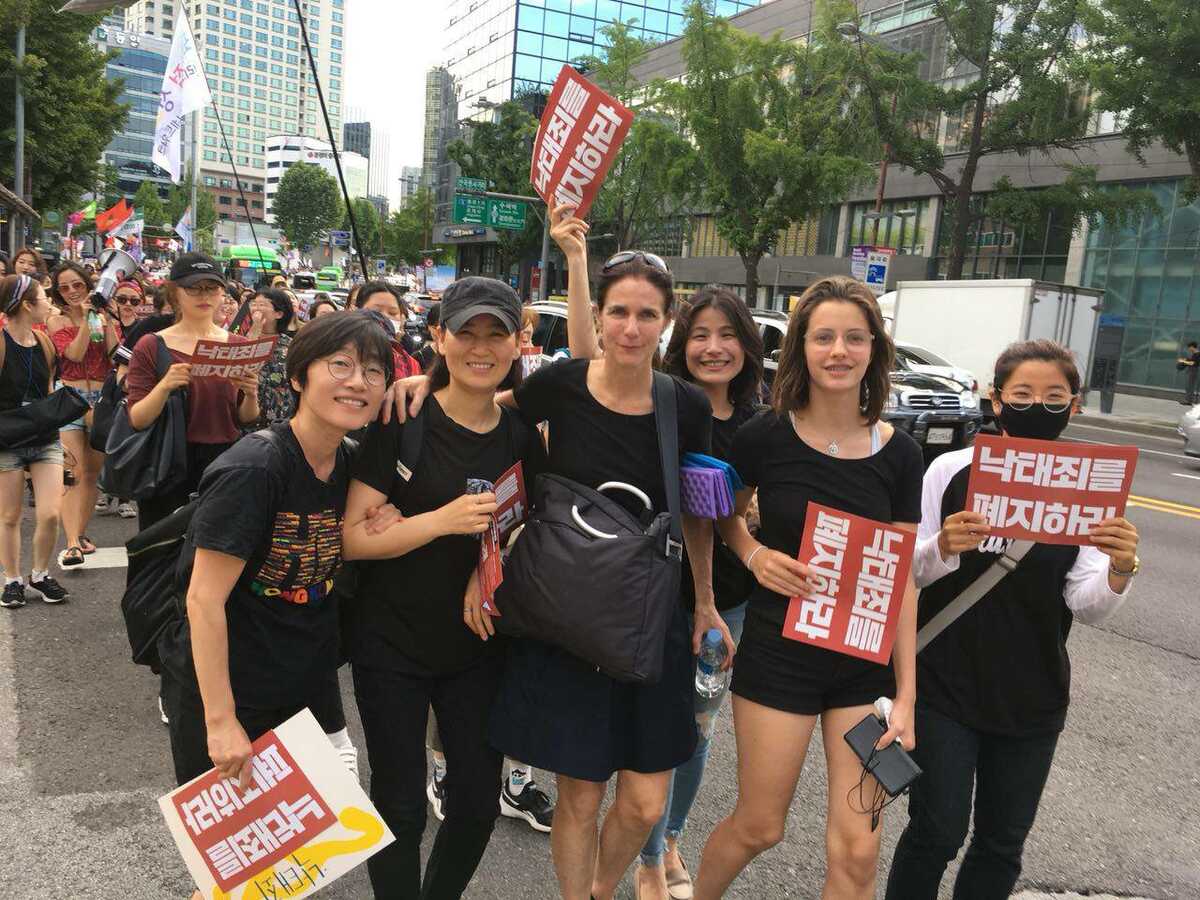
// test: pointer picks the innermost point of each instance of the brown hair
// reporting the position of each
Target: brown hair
(1041, 350)
(9, 302)
(636, 268)
(745, 385)
(37, 258)
(67, 266)
(792, 382)
(529, 317)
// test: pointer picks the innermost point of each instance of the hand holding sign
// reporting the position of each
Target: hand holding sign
(568, 230)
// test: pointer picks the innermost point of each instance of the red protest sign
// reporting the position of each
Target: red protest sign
(859, 568)
(1051, 492)
(219, 359)
(512, 507)
(580, 134)
(239, 832)
(531, 360)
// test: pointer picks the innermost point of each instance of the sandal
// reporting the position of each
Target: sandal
(72, 556)
(679, 882)
(86, 545)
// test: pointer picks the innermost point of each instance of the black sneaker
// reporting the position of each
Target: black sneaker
(436, 793)
(51, 590)
(531, 804)
(14, 595)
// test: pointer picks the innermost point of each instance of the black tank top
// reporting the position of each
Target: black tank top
(25, 375)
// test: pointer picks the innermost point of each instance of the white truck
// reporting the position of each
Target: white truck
(970, 322)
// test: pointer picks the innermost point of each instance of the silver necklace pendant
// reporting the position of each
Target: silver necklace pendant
(833, 448)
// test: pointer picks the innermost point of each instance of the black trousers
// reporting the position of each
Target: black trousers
(1008, 775)
(189, 736)
(394, 708)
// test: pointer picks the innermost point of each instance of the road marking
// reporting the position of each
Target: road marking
(1185, 475)
(1144, 449)
(1153, 437)
(1182, 506)
(1164, 506)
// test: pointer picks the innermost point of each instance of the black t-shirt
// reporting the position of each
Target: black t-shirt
(407, 613)
(24, 379)
(261, 502)
(591, 444)
(1002, 667)
(732, 582)
(788, 473)
(139, 329)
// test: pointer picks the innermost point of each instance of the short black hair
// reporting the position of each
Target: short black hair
(281, 303)
(1193, 344)
(433, 316)
(327, 335)
(378, 287)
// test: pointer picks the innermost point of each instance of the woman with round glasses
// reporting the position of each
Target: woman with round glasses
(84, 339)
(822, 441)
(995, 685)
(217, 408)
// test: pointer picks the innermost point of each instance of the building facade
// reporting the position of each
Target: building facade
(410, 183)
(285, 150)
(1150, 270)
(140, 62)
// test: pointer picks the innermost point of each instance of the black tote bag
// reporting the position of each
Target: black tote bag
(607, 599)
(145, 463)
(30, 425)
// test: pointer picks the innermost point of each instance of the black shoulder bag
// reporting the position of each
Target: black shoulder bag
(587, 575)
(29, 425)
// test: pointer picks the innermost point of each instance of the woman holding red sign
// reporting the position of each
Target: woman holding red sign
(822, 441)
(995, 685)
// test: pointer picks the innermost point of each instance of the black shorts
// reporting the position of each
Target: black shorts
(799, 678)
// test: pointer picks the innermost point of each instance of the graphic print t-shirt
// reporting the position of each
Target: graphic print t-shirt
(261, 502)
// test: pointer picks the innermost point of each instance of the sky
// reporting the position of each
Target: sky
(390, 46)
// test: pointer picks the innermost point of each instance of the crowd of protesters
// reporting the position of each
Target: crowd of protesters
(286, 498)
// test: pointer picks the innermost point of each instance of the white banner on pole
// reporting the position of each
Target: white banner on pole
(184, 90)
(184, 228)
(129, 228)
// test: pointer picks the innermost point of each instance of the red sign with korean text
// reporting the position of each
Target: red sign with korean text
(580, 134)
(859, 569)
(240, 832)
(1052, 492)
(512, 508)
(531, 360)
(218, 359)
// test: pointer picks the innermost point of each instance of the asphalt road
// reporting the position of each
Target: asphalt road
(83, 756)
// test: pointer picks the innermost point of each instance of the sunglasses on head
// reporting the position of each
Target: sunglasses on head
(625, 256)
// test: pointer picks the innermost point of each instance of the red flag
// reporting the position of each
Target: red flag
(113, 218)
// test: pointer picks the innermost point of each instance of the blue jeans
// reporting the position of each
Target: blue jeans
(685, 783)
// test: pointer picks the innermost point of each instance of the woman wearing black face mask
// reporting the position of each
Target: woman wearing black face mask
(994, 686)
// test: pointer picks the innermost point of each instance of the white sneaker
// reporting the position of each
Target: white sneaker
(127, 510)
(162, 713)
(436, 794)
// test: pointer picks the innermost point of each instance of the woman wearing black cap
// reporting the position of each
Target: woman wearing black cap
(216, 407)
(409, 648)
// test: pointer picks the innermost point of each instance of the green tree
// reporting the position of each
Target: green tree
(149, 205)
(366, 217)
(499, 152)
(308, 202)
(407, 229)
(71, 109)
(655, 176)
(768, 120)
(178, 200)
(1008, 88)
(105, 187)
(1143, 59)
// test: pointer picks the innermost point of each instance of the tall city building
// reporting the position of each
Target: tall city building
(285, 150)
(139, 64)
(372, 143)
(258, 72)
(153, 17)
(410, 182)
(438, 171)
(356, 136)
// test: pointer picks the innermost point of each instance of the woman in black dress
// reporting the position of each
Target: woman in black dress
(822, 440)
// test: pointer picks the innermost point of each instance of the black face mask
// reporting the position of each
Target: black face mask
(1035, 422)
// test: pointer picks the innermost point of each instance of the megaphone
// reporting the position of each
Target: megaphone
(115, 266)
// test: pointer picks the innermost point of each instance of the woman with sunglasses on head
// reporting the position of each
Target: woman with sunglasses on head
(271, 314)
(84, 339)
(26, 376)
(432, 642)
(821, 441)
(995, 685)
(216, 408)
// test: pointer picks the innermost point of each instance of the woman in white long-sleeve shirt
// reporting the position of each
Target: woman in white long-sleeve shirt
(994, 687)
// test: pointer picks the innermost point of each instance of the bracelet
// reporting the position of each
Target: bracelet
(750, 558)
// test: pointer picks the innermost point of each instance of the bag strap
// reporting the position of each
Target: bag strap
(666, 420)
(162, 359)
(976, 591)
(48, 352)
(411, 438)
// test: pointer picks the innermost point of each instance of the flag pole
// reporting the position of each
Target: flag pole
(195, 117)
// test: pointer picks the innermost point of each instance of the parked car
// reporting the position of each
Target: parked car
(1189, 430)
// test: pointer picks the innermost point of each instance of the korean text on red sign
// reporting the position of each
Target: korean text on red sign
(240, 832)
(217, 359)
(580, 134)
(512, 508)
(1052, 492)
(859, 568)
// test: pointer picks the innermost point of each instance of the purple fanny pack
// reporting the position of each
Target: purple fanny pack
(705, 493)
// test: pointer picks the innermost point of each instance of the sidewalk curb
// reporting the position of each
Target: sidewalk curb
(1152, 428)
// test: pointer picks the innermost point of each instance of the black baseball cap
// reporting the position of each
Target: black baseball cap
(192, 268)
(475, 295)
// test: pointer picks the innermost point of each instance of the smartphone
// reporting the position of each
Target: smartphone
(892, 767)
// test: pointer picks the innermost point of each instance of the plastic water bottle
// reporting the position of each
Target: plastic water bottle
(95, 329)
(710, 680)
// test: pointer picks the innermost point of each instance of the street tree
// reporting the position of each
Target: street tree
(1004, 84)
(105, 187)
(71, 109)
(1143, 59)
(406, 232)
(366, 217)
(768, 120)
(307, 203)
(498, 151)
(655, 176)
(149, 205)
(178, 200)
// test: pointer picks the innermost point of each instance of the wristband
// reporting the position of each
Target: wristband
(750, 558)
